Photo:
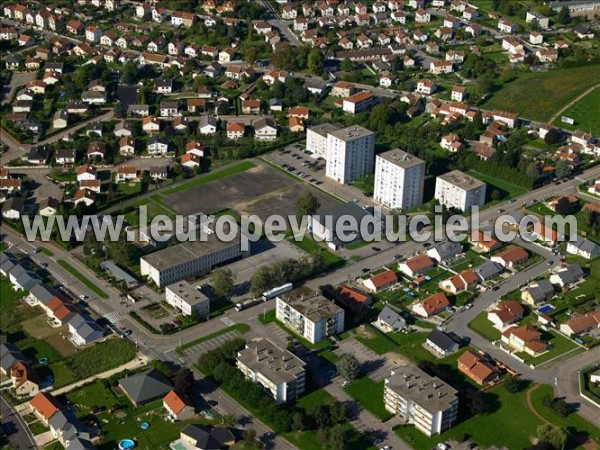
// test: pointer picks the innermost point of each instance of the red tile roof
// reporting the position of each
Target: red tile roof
(44, 404)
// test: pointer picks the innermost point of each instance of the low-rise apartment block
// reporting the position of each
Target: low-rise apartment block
(187, 298)
(458, 190)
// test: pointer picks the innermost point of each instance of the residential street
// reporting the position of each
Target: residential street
(15, 428)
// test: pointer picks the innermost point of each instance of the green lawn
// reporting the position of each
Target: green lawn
(507, 190)
(509, 423)
(45, 251)
(310, 246)
(484, 327)
(212, 176)
(369, 394)
(267, 317)
(585, 112)
(13, 310)
(409, 345)
(573, 422)
(85, 281)
(553, 90)
(241, 327)
(541, 209)
(92, 395)
(560, 345)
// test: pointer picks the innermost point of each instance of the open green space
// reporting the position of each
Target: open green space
(506, 190)
(553, 90)
(212, 176)
(409, 345)
(267, 317)
(241, 327)
(482, 326)
(559, 346)
(312, 247)
(13, 310)
(369, 394)
(45, 251)
(93, 395)
(82, 278)
(585, 113)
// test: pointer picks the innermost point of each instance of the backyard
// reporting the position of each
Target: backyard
(585, 113)
(369, 394)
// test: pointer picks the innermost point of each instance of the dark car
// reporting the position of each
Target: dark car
(365, 270)
(376, 249)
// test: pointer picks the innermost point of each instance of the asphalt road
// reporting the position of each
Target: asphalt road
(14, 427)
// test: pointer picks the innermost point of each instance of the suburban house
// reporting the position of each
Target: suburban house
(477, 368)
(430, 306)
(416, 265)
(442, 344)
(525, 338)
(24, 379)
(381, 281)
(583, 247)
(537, 292)
(390, 321)
(463, 281)
(484, 243)
(176, 407)
(353, 299)
(199, 437)
(510, 257)
(445, 252)
(84, 330)
(567, 277)
(582, 323)
(235, 130)
(145, 387)
(505, 313)
(265, 129)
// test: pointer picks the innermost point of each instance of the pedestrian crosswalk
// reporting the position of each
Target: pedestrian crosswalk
(113, 316)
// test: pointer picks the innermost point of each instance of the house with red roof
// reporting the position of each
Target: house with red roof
(353, 299)
(431, 306)
(477, 368)
(511, 256)
(416, 265)
(505, 314)
(525, 338)
(44, 406)
(381, 281)
(25, 380)
(176, 407)
(461, 282)
(483, 242)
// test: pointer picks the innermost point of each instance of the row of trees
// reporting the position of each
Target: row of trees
(286, 271)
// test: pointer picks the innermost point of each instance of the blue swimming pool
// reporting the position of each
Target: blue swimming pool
(545, 309)
(126, 444)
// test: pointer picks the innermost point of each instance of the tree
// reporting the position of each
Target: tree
(184, 383)
(298, 421)
(336, 438)
(532, 171)
(496, 195)
(564, 15)
(347, 65)
(223, 282)
(563, 206)
(476, 403)
(483, 86)
(227, 420)
(249, 54)
(555, 436)
(562, 169)
(552, 136)
(307, 205)
(512, 385)
(348, 366)
(315, 61)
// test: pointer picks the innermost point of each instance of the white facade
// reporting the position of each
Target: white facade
(399, 180)
(350, 153)
(187, 298)
(310, 315)
(459, 190)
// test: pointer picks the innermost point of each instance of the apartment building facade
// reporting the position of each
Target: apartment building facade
(458, 190)
(187, 298)
(399, 180)
(350, 154)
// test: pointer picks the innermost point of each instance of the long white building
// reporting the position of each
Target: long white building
(280, 372)
(309, 314)
(187, 298)
(189, 260)
(399, 180)
(350, 154)
(458, 190)
(425, 401)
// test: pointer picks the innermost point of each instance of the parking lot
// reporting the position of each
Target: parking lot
(198, 350)
(294, 156)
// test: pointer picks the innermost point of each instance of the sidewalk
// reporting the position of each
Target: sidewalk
(366, 420)
(139, 361)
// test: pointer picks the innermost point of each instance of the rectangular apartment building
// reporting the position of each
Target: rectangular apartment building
(425, 401)
(187, 298)
(280, 372)
(399, 180)
(316, 138)
(458, 190)
(189, 260)
(350, 154)
(309, 314)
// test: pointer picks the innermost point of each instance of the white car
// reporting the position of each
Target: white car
(345, 383)
(83, 297)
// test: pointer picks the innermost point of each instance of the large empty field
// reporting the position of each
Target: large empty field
(585, 112)
(538, 96)
(260, 190)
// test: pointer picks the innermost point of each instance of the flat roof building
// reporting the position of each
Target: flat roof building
(425, 401)
(187, 298)
(279, 371)
(189, 259)
(316, 138)
(309, 314)
(350, 154)
(399, 180)
(458, 190)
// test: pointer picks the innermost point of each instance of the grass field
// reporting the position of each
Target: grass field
(13, 311)
(509, 422)
(585, 112)
(369, 394)
(310, 246)
(560, 346)
(85, 281)
(538, 96)
(507, 190)
(92, 395)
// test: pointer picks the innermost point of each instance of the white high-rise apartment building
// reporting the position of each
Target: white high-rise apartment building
(316, 138)
(350, 153)
(458, 190)
(399, 180)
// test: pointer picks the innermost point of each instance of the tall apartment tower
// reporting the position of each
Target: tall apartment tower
(458, 190)
(399, 180)
(350, 153)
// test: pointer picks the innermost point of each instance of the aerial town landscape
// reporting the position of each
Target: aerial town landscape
(159, 110)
